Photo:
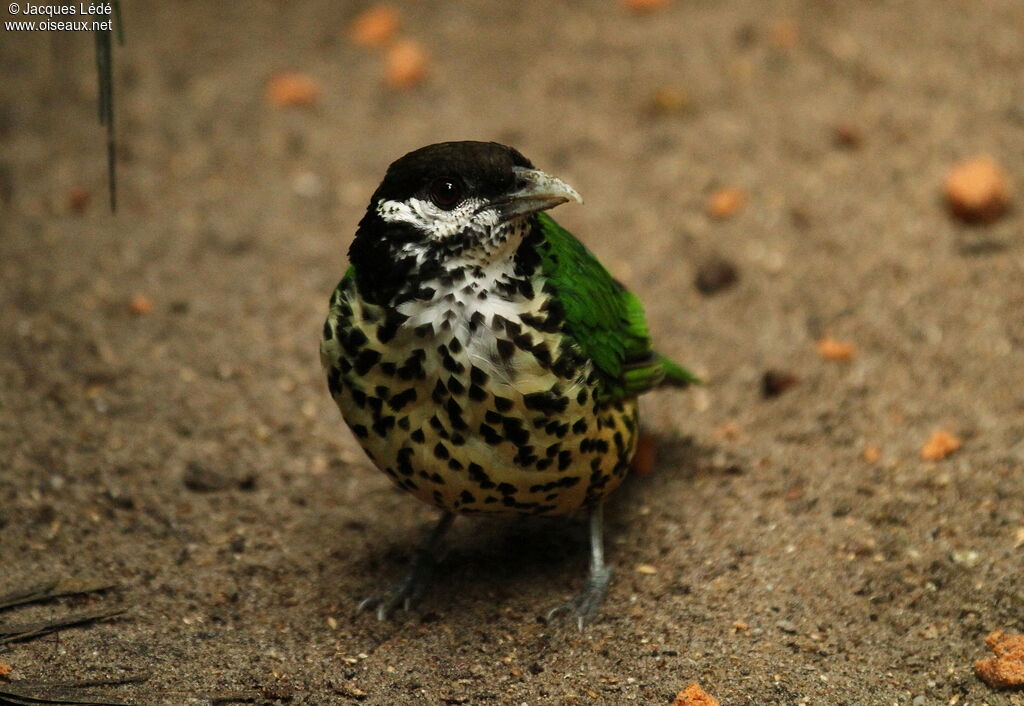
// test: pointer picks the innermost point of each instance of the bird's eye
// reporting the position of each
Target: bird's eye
(446, 193)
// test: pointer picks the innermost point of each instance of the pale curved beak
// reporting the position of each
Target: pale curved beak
(534, 191)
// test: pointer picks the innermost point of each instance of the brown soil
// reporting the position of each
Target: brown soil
(188, 450)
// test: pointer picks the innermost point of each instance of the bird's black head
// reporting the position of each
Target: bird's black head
(444, 206)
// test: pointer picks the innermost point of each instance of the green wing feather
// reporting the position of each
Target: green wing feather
(604, 318)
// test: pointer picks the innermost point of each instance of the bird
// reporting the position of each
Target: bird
(483, 357)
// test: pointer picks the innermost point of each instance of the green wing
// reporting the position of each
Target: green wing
(604, 318)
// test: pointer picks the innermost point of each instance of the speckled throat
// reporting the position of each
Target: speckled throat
(463, 387)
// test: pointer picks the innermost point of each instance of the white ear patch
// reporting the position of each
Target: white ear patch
(436, 222)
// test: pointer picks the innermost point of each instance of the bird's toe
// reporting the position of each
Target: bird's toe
(584, 607)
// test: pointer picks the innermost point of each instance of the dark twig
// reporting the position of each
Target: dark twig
(105, 73)
(49, 591)
(248, 696)
(108, 681)
(31, 594)
(25, 631)
(240, 697)
(25, 694)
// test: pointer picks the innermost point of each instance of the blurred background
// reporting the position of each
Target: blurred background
(814, 199)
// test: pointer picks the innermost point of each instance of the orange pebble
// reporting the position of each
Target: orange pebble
(406, 64)
(375, 27)
(725, 202)
(640, 6)
(940, 445)
(1006, 646)
(78, 199)
(1006, 669)
(141, 305)
(832, 349)
(978, 190)
(289, 89)
(872, 454)
(693, 695)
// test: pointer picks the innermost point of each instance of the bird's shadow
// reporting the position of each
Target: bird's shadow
(503, 562)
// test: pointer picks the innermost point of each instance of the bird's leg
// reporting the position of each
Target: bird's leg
(409, 590)
(584, 606)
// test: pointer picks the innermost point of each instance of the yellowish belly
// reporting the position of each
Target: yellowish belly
(466, 424)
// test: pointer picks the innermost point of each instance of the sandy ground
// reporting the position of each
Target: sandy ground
(192, 455)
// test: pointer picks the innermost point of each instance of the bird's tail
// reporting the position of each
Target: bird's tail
(676, 375)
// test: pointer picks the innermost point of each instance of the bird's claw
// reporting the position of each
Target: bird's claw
(387, 603)
(404, 595)
(412, 587)
(584, 606)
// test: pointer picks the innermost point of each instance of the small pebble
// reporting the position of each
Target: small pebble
(978, 190)
(1006, 669)
(375, 27)
(693, 695)
(642, 6)
(290, 89)
(351, 691)
(141, 305)
(775, 382)
(202, 479)
(940, 445)
(846, 136)
(406, 65)
(832, 349)
(78, 199)
(725, 202)
(966, 557)
(787, 626)
(669, 100)
(716, 275)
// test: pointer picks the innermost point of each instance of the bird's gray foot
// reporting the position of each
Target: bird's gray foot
(583, 608)
(406, 593)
